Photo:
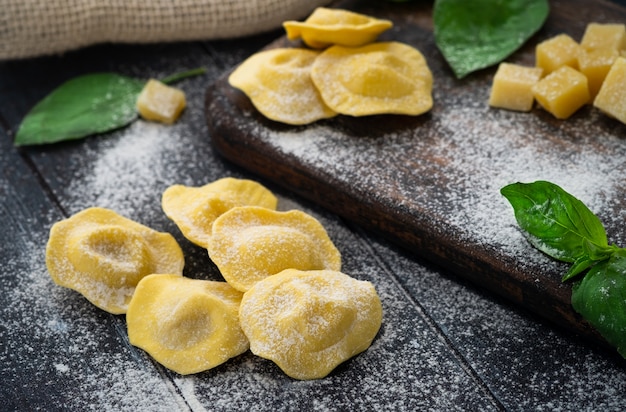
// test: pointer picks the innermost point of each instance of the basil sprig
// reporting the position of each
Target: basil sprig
(85, 105)
(561, 226)
(475, 34)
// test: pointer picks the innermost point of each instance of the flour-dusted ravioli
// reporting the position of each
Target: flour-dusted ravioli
(383, 77)
(187, 325)
(194, 209)
(251, 243)
(325, 27)
(308, 322)
(278, 82)
(103, 256)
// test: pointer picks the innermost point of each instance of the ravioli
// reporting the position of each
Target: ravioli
(103, 256)
(326, 27)
(251, 243)
(187, 325)
(278, 83)
(194, 209)
(308, 322)
(383, 77)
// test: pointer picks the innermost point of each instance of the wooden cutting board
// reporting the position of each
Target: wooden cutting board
(431, 183)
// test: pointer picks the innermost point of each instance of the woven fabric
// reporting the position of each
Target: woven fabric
(38, 27)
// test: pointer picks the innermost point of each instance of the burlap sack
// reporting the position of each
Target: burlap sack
(37, 27)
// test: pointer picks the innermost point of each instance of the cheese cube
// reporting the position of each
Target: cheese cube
(604, 36)
(160, 102)
(612, 96)
(562, 92)
(512, 87)
(558, 51)
(595, 64)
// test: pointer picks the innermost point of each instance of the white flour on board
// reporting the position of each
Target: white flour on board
(487, 158)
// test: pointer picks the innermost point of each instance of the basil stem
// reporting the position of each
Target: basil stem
(180, 76)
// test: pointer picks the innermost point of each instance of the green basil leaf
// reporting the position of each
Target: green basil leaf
(85, 105)
(475, 34)
(600, 297)
(557, 223)
(580, 265)
(592, 254)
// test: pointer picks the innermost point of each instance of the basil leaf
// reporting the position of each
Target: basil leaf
(592, 254)
(85, 105)
(475, 34)
(600, 297)
(557, 223)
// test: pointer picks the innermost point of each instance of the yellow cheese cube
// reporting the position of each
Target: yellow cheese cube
(562, 92)
(595, 64)
(558, 51)
(612, 96)
(512, 87)
(160, 102)
(604, 36)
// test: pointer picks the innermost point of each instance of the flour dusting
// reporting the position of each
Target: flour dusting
(461, 190)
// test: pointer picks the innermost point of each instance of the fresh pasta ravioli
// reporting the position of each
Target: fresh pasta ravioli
(326, 27)
(103, 256)
(278, 82)
(187, 325)
(308, 322)
(382, 77)
(194, 209)
(251, 243)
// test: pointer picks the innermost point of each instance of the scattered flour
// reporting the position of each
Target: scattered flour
(55, 342)
(408, 367)
(460, 193)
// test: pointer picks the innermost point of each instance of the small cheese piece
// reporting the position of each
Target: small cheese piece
(595, 64)
(382, 77)
(604, 36)
(558, 51)
(187, 325)
(308, 322)
(278, 82)
(512, 87)
(194, 209)
(611, 98)
(160, 102)
(250, 243)
(562, 92)
(326, 27)
(103, 256)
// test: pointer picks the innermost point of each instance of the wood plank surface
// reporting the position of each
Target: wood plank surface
(445, 344)
(431, 183)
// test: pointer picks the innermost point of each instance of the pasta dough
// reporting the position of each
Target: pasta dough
(187, 325)
(308, 322)
(326, 27)
(103, 256)
(278, 82)
(251, 243)
(385, 77)
(194, 209)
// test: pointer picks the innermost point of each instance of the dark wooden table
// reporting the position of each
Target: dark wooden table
(445, 344)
